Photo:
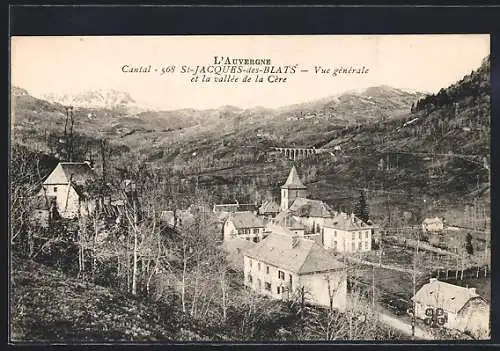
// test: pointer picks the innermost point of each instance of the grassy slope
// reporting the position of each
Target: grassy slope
(47, 305)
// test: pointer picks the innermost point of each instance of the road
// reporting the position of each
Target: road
(404, 327)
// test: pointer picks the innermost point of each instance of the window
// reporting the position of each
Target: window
(360, 246)
(290, 276)
(282, 289)
(353, 247)
(267, 286)
(55, 189)
(281, 275)
(360, 235)
(240, 231)
(366, 234)
(317, 228)
(250, 260)
(278, 289)
(259, 285)
(258, 266)
(335, 233)
(353, 235)
(366, 245)
(256, 230)
(255, 240)
(267, 269)
(335, 245)
(249, 278)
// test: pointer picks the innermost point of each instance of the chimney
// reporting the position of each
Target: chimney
(432, 280)
(472, 291)
(295, 241)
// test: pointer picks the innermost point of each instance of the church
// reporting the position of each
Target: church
(294, 202)
(316, 220)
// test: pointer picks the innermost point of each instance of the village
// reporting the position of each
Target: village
(299, 245)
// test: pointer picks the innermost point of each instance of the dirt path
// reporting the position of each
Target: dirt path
(404, 327)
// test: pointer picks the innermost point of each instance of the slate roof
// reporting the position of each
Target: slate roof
(234, 207)
(433, 220)
(293, 181)
(80, 172)
(269, 207)
(226, 208)
(347, 222)
(235, 250)
(303, 207)
(247, 207)
(286, 219)
(246, 220)
(305, 257)
(449, 297)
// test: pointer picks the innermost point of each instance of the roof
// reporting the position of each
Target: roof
(235, 207)
(293, 181)
(247, 207)
(226, 208)
(286, 219)
(80, 172)
(305, 257)
(235, 249)
(433, 220)
(447, 296)
(303, 207)
(245, 219)
(177, 218)
(347, 222)
(269, 207)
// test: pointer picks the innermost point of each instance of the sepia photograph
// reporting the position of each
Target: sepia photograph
(250, 188)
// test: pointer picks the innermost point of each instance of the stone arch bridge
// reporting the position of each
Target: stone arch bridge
(299, 153)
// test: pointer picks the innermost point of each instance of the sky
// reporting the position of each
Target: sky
(71, 65)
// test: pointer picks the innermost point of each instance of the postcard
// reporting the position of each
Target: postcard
(250, 188)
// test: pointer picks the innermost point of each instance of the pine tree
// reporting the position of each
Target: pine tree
(468, 244)
(361, 208)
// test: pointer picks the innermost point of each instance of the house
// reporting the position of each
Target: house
(177, 219)
(269, 209)
(463, 308)
(432, 225)
(347, 233)
(67, 188)
(235, 250)
(245, 225)
(223, 211)
(285, 267)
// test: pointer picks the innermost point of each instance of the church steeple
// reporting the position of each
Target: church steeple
(292, 189)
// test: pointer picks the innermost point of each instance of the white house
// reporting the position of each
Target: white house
(465, 310)
(282, 266)
(244, 225)
(347, 233)
(432, 225)
(66, 187)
